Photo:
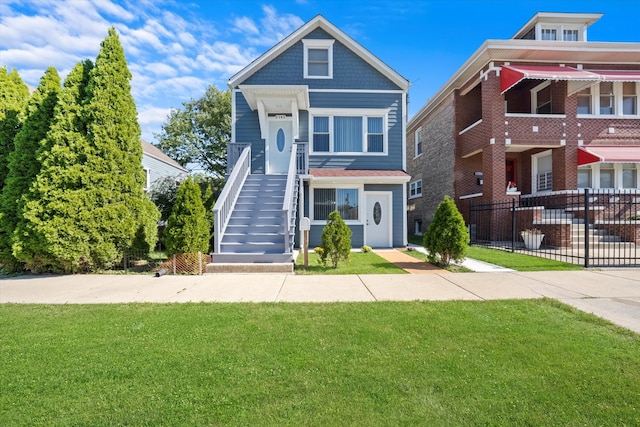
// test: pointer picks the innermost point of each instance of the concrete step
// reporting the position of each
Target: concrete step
(249, 267)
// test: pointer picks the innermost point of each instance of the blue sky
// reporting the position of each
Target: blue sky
(176, 48)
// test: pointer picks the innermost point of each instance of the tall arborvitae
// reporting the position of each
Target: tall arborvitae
(14, 95)
(23, 163)
(50, 237)
(117, 207)
(187, 228)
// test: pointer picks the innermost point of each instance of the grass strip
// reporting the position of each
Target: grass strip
(358, 263)
(518, 262)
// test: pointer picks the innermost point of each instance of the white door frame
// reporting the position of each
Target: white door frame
(389, 209)
(267, 142)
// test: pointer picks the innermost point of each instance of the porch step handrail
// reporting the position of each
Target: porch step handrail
(227, 199)
(288, 204)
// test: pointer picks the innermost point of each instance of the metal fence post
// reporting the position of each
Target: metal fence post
(513, 224)
(586, 227)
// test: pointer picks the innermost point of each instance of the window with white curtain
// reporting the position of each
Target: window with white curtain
(348, 134)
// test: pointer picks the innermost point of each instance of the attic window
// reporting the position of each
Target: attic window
(318, 58)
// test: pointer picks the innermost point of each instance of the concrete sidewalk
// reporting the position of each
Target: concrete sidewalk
(613, 294)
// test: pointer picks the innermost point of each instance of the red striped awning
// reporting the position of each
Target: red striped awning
(618, 75)
(609, 154)
(511, 75)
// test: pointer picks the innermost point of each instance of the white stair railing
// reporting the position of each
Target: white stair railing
(227, 199)
(288, 204)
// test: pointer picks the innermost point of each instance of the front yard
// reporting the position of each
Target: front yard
(392, 363)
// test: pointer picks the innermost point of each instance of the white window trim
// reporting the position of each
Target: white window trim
(534, 97)
(414, 184)
(618, 107)
(318, 44)
(416, 136)
(618, 169)
(582, 34)
(349, 112)
(147, 184)
(359, 187)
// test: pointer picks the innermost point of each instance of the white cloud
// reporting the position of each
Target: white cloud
(245, 25)
(114, 10)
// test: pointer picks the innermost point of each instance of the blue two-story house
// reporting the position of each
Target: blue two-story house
(318, 124)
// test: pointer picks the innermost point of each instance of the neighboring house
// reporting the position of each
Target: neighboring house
(546, 111)
(158, 165)
(318, 124)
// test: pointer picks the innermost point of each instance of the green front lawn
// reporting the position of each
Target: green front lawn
(358, 263)
(393, 363)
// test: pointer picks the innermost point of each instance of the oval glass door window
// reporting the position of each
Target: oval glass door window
(377, 213)
(280, 140)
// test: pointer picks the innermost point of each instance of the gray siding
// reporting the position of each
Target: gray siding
(398, 209)
(357, 238)
(349, 70)
(159, 169)
(248, 130)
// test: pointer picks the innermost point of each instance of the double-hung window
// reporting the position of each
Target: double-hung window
(584, 101)
(327, 200)
(418, 142)
(549, 34)
(339, 132)
(570, 35)
(415, 189)
(318, 58)
(629, 98)
(607, 98)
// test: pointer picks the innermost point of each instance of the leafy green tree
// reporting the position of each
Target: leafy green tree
(446, 238)
(14, 95)
(23, 163)
(336, 240)
(199, 132)
(187, 228)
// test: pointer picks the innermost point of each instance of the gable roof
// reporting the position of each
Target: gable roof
(153, 151)
(318, 21)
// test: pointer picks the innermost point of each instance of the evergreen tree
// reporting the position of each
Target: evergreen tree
(23, 163)
(117, 207)
(336, 240)
(86, 213)
(187, 228)
(52, 237)
(14, 95)
(446, 238)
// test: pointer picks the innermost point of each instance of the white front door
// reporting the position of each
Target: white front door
(379, 219)
(278, 147)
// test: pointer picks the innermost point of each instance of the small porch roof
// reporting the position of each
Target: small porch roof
(386, 176)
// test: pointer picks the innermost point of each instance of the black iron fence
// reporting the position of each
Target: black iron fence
(593, 228)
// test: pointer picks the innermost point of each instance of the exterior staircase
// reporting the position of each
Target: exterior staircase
(255, 233)
(598, 239)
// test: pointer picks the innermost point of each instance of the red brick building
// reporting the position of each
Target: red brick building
(544, 111)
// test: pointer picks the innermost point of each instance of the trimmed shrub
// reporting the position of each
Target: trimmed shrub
(336, 240)
(446, 238)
